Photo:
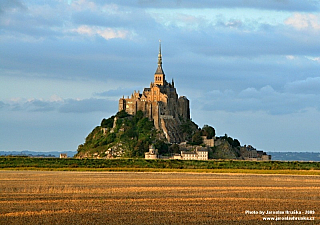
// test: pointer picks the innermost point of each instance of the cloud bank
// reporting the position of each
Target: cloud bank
(230, 58)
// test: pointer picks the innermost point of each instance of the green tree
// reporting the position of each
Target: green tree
(197, 139)
(138, 116)
(107, 123)
(174, 148)
(140, 148)
(130, 133)
(208, 131)
(235, 143)
(122, 114)
(161, 146)
(109, 139)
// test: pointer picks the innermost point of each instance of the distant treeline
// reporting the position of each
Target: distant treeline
(36, 154)
(71, 163)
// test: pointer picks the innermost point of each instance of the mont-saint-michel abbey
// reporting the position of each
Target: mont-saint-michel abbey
(156, 123)
(160, 103)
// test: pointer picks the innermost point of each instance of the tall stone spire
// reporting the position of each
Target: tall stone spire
(159, 69)
(159, 77)
(159, 55)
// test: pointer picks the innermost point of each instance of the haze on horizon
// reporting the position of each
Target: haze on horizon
(249, 68)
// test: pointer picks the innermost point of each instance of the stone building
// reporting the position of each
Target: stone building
(199, 154)
(63, 156)
(208, 142)
(252, 154)
(152, 154)
(160, 103)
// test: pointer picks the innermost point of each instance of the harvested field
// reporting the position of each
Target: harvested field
(43, 197)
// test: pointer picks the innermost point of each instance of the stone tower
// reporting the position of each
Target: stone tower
(159, 77)
(160, 103)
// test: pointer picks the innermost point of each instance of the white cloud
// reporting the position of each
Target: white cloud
(106, 33)
(83, 5)
(316, 59)
(304, 21)
(87, 106)
(55, 98)
(277, 5)
(249, 93)
(57, 104)
(290, 57)
(311, 85)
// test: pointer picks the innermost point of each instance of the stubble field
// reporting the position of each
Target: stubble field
(43, 197)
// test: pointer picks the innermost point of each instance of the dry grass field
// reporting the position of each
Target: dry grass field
(43, 197)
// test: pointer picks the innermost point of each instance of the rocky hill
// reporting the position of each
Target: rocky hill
(124, 135)
(158, 117)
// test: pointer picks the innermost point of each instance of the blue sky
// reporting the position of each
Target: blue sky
(250, 68)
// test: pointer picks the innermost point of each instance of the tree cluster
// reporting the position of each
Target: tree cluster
(233, 142)
(206, 131)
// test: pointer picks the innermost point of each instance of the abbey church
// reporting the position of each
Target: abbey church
(160, 103)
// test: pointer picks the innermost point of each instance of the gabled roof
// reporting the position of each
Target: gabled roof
(159, 70)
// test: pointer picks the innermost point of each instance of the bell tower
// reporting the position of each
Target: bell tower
(159, 77)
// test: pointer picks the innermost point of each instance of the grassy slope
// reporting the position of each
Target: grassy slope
(130, 132)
